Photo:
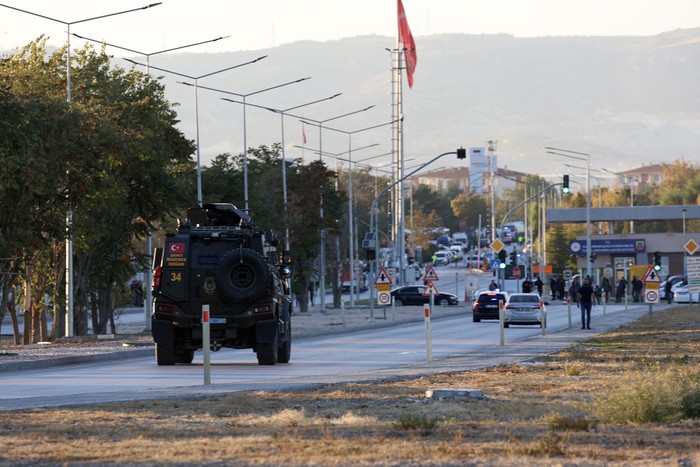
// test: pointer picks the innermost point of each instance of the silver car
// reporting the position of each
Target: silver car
(524, 308)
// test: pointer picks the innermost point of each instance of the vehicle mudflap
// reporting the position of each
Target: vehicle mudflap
(265, 332)
(163, 332)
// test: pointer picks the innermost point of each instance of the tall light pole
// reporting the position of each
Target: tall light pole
(351, 241)
(245, 130)
(582, 156)
(149, 241)
(284, 157)
(320, 123)
(196, 108)
(631, 194)
(69, 215)
(351, 236)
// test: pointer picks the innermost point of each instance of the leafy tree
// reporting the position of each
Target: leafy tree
(122, 170)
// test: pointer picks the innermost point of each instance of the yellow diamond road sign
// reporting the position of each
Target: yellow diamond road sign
(691, 246)
(497, 245)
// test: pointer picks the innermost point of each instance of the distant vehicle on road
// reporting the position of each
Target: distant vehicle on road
(486, 305)
(413, 295)
(524, 308)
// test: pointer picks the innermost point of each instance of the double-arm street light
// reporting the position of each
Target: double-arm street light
(320, 124)
(196, 108)
(69, 215)
(245, 131)
(149, 242)
(282, 113)
(351, 237)
(582, 156)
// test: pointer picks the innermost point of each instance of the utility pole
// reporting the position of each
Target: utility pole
(492, 186)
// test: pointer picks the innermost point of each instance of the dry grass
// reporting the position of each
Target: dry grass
(546, 414)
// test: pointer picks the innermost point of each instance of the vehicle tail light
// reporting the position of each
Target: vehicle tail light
(263, 309)
(167, 309)
(157, 278)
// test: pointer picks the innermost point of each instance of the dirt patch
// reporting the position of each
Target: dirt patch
(544, 412)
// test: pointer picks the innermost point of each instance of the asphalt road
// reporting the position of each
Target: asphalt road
(399, 351)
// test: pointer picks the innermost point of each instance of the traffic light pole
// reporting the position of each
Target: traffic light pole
(505, 217)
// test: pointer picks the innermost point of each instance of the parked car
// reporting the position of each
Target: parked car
(485, 305)
(662, 287)
(413, 295)
(457, 252)
(682, 295)
(524, 308)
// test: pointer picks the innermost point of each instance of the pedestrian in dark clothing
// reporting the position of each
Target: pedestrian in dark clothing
(561, 288)
(527, 285)
(620, 289)
(637, 287)
(311, 293)
(539, 285)
(585, 298)
(553, 287)
(668, 291)
(573, 290)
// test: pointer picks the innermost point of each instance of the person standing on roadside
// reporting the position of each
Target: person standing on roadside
(585, 299)
(669, 290)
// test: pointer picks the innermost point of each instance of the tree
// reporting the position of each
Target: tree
(126, 168)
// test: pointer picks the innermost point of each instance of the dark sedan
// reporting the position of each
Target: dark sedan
(486, 305)
(413, 295)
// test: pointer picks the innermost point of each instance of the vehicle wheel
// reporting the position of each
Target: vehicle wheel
(184, 356)
(398, 302)
(242, 275)
(284, 352)
(444, 302)
(268, 353)
(476, 320)
(165, 354)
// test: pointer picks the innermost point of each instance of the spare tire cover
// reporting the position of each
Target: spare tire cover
(242, 275)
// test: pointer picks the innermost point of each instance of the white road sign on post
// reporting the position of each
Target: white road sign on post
(692, 264)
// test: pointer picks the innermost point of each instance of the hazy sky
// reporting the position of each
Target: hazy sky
(259, 24)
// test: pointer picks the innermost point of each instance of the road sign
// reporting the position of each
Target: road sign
(692, 265)
(430, 289)
(383, 287)
(651, 275)
(382, 278)
(567, 274)
(652, 296)
(430, 275)
(516, 272)
(497, 245)
(691, 246)
(384, 298)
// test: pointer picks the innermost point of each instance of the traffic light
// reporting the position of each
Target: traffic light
(371, 254)
(513, 258)
(502, 257)
(565, 185)
(657, 261)
(461, 153)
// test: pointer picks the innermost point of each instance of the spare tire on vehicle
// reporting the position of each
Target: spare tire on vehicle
(242, 275)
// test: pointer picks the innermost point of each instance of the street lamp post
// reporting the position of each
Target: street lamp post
(631, 186)
(284, 157)
(350, 210)
(69, 215)
(351, 252)
(587, 158)
(245, 130)
(149, 242)
(196, 108)
(323, 232)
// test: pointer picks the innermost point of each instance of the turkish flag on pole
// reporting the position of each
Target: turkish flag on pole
(408, 44)
(303, 133)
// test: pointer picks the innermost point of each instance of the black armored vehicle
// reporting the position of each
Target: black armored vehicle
(218, 258)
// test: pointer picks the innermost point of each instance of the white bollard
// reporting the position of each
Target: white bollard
(428, 335)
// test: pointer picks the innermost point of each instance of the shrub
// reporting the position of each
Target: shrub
(652, 395)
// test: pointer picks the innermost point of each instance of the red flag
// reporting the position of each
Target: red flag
(409, 45)
(303, 134)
